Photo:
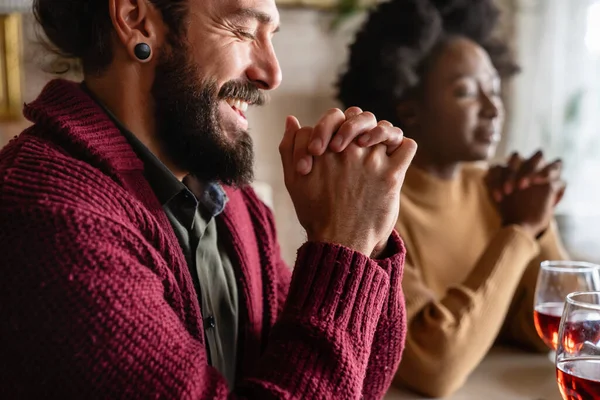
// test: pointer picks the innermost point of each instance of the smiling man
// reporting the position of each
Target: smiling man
(136, 262)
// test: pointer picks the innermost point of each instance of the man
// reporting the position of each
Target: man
(136, 261)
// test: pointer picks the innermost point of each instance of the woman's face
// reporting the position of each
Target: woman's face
(459, 115)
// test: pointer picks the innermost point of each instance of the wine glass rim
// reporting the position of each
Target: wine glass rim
(592, 306)
(574, 266)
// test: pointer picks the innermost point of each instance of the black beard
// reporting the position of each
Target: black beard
(188, 122)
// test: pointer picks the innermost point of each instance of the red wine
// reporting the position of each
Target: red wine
(579, 379)
(582, 327)
(547, 321)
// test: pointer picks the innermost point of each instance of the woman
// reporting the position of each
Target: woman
(474, 244)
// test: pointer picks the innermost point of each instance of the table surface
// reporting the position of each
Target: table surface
(503, 375)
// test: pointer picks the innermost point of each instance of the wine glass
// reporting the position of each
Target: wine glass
(578, 351)
(556, 280)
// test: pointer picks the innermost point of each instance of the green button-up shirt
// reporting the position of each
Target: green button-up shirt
(191, 207)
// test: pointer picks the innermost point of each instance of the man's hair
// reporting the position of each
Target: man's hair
(389, 55)
(82, 29)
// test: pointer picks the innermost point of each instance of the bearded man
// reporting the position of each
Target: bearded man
(136, 260)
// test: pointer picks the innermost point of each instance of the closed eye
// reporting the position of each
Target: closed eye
(246, 34)
(465, 92)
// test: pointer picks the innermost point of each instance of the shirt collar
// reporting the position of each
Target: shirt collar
(211, 196)
(166, 186)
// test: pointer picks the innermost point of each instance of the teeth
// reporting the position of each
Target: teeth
(239, 104)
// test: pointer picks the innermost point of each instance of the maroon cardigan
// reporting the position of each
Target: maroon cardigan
(97, 301)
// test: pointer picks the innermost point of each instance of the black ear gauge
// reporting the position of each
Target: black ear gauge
(142, 51)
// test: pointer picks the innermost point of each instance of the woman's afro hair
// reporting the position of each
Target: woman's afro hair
(388, 55)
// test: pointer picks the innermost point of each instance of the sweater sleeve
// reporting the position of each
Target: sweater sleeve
(519, 327)
(390, 335)
(91, 310)
(448, 337)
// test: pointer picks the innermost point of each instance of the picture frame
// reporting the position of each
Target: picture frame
(10, 66)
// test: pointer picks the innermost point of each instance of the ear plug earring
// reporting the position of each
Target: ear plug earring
(142, 51)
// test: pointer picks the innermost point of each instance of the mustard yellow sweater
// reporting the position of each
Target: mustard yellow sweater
(468, 281)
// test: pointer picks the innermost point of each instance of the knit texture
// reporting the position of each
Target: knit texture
(97, 301)
(480, 279)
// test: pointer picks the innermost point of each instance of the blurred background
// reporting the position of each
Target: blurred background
(554, 104)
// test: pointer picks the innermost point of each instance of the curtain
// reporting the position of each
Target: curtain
(555, 101)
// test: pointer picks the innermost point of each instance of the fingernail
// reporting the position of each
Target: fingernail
(508, 188)
(302, 165)
(316, 144)
(364, 139)
(524, 183)
(337, 142)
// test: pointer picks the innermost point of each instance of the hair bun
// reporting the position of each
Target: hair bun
(472, 18)
(446, 6)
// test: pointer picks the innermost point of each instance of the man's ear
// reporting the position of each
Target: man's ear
(137, 22)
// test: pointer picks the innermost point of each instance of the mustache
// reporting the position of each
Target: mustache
(245, 91)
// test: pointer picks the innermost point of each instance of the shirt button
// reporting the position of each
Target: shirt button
(209, 322)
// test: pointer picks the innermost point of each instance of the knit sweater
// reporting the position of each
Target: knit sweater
(477, 287)
(97, 302)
